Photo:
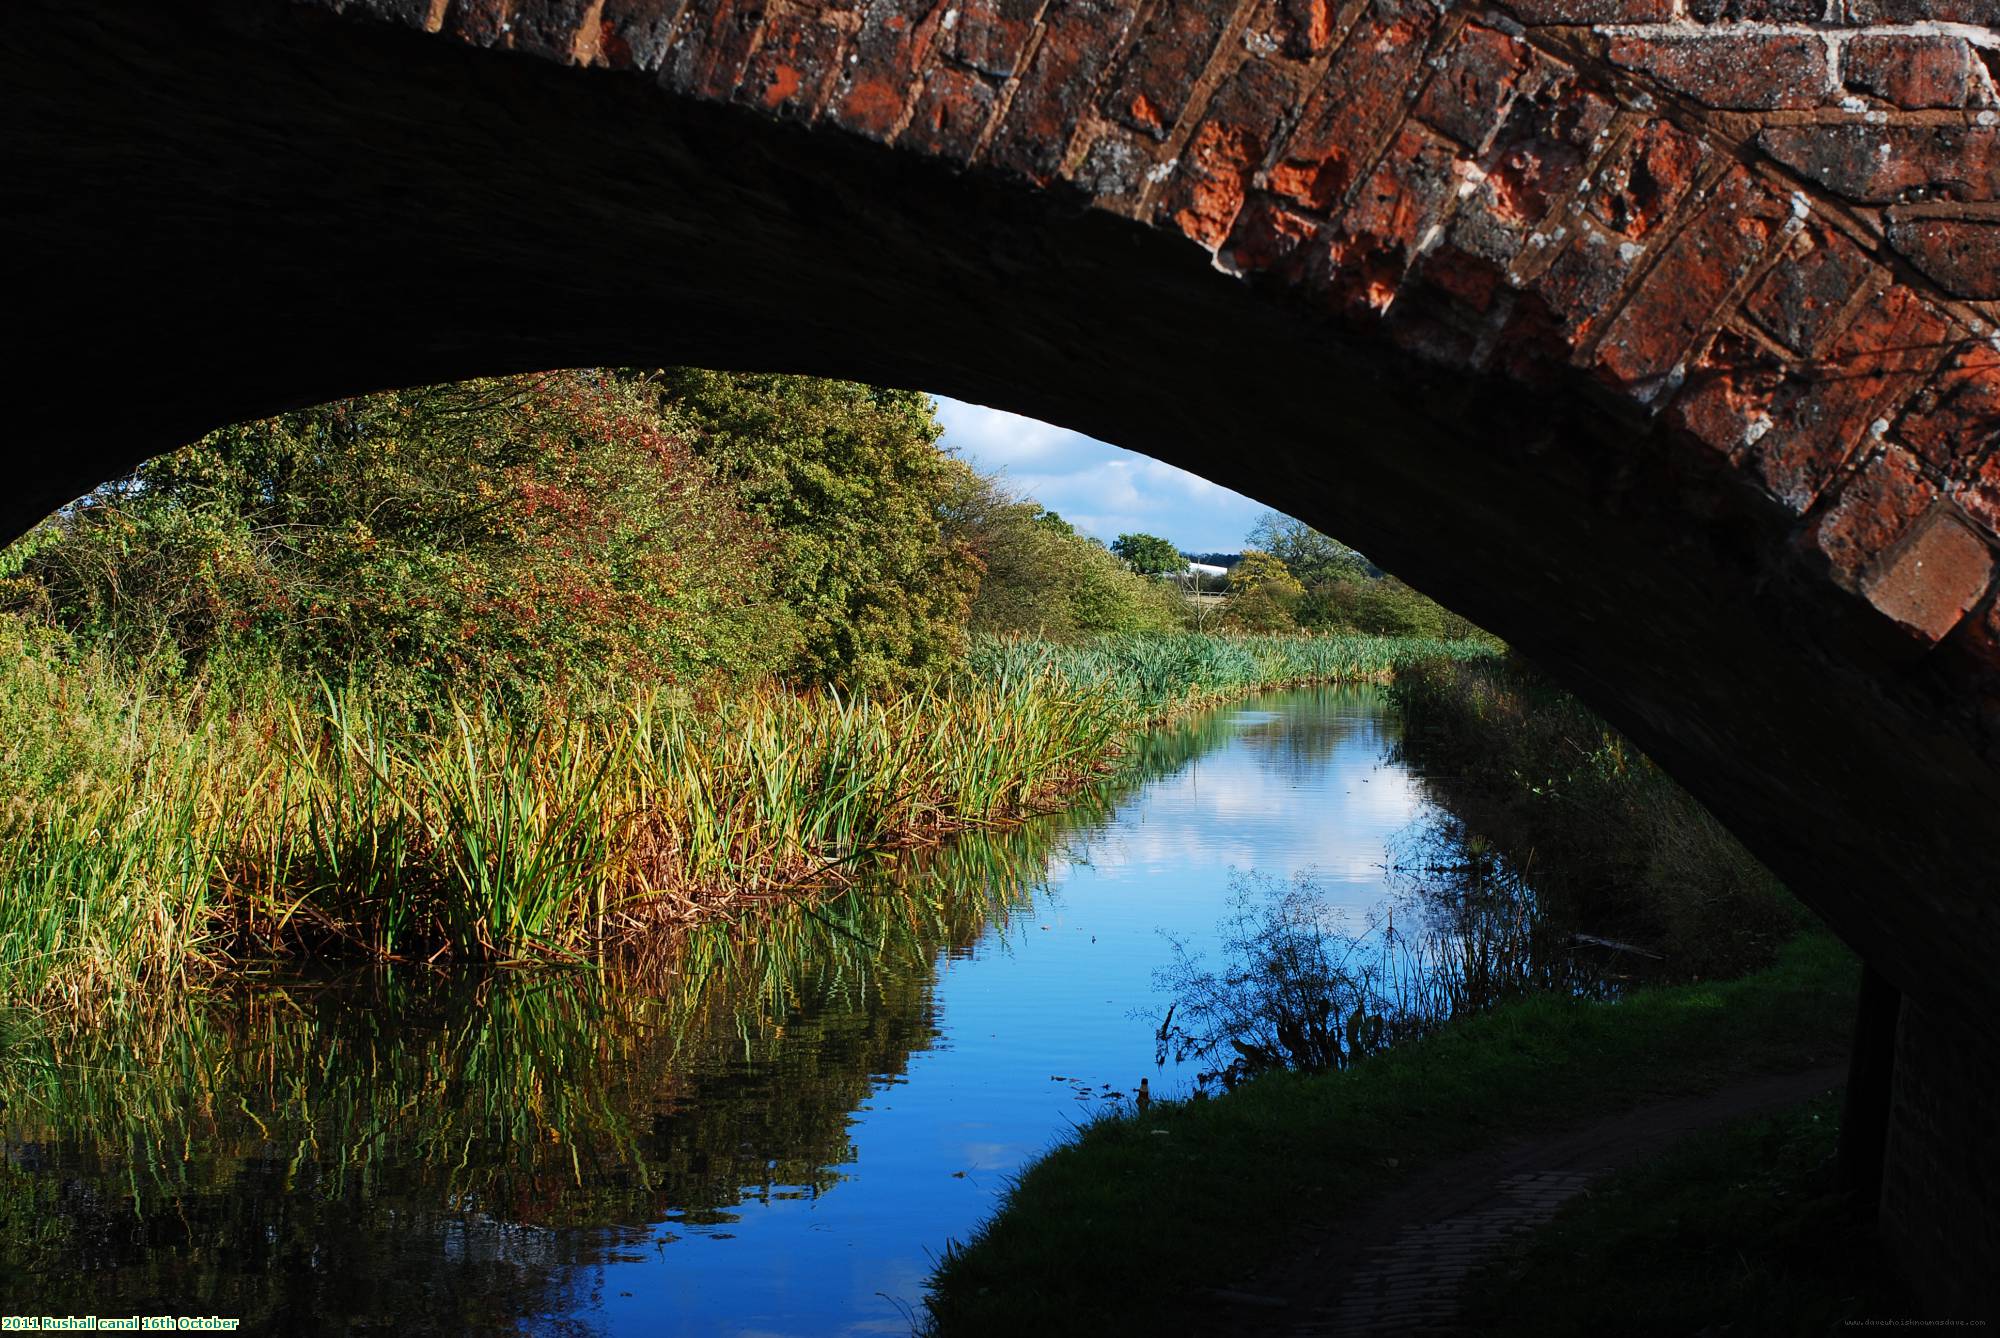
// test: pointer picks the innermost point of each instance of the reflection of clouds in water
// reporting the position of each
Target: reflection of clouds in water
(1235, 808)
(992, 1156)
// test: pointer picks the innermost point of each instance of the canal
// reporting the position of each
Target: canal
(771, 1129)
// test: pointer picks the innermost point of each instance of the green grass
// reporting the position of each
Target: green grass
(149, 836)
(1739, 1230)
(1197, 1194)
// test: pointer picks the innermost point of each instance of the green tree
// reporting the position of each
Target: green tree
(518, 531)
(1148, 554)
(1263, 594)
(1310, 556)
(850, 481)
(1039, 577)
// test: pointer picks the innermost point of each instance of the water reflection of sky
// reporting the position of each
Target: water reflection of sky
(1041, 1023)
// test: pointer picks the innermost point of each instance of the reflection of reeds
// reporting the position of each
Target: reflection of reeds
(726, 1067)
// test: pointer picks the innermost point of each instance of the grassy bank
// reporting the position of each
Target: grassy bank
(1742, 1230)
(149, 835)
(1198, 1194)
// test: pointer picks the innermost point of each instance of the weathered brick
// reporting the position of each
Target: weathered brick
(1407, 194)
(1226, 149)
(1725, 403)
(1362, 268)
(1536, 160)
(548, 28)
(1758, 11)
(1167, 57)
(1910, 70)
(633, 34)
(1470, 95)
(1660, 323)
(479, 22)
(1955, 420)
(950, 114)
(1651, 175)
(796, 58)
(1733, 70)
(1985, 13)
(1580, 287)
(1305, 27)
(1827, 407)
(1941, 571)
(1271, 239)
(411, 13)
(1803, 298)
(1078, 37)
(712, 46)
(1354, 107)
(1880, 164)
(1874, 510)
(1537, 12)
(1979, 498)
(880, 76)
(1961, 254)
(992, 35)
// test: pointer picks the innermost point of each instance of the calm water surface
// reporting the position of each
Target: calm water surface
(769, 1136)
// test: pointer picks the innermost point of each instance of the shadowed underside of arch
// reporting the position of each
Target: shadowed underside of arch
(1654, 334)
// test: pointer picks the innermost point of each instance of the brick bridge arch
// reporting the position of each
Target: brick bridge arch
(1655, 334)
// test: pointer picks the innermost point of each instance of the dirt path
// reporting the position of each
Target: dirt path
(1395, 1265)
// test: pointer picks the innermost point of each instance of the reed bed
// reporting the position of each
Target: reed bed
(148, 837)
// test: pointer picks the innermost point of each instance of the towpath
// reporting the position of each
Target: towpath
(1394, 1266)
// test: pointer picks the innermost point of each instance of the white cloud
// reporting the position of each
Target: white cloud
(1101, 489)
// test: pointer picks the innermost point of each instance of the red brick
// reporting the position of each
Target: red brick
(1078, 37)
(547, 28)
(1874, 510)
(1536, 12)
(1662, 321)
(1469, 96)
(1827, 407)
(1226, 150)
(880, 75)
(1985, 13)
(793, 63)
(1803, 299)
(1536, 160)
(1961, 254)
(1758, 11)
(1270, 239)
(1777, 72)
(1725, 402)
(1353, 109)
(1979, 496)
(412, 13)
(1909, 70)
(633, 34)
(1942, 570)
(1305, 27)
(1880, 164)
(1167, 57)
(1580, 287)
(1955, 420)
(1651, 175)
(1407, 194)
(708, 57)
(991, 35)
(480, 22)
(950, 114)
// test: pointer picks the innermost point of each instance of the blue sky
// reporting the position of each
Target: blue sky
(1100, 489)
